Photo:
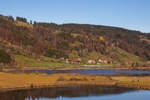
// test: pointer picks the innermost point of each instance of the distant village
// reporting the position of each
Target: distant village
(90, 61)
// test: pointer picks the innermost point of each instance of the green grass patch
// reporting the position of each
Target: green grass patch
(128, 56)
(24, 61)
(123, 56)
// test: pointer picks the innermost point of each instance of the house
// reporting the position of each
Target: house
(4, 41)
(68, 60)
(91, 61)
(103, 61)
(100, 61)
(78, 60)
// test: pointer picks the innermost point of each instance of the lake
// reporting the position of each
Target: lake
(93, 71)
(77, 93)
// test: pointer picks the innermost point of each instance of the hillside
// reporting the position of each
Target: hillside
(50, 42)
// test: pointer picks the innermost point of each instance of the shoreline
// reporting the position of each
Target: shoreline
(76, 68)
(21, 81)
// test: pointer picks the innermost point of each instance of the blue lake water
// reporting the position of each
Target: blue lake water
(77, 93)
(137, 95)
(94, 71)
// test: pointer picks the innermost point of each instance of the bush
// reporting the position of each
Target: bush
(21, 19)
(78, 79)
(4, 57)
(75, 79)
(61, 78)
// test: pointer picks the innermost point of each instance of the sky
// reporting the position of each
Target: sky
(130, 14)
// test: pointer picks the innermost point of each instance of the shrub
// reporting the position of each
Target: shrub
(74, 79)
(61, 78)
(4, 57)
(85, 79)
(21, 19)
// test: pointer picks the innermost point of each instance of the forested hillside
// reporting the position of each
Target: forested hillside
(70, 41)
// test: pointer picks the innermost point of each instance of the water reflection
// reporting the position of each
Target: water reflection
(64, 92)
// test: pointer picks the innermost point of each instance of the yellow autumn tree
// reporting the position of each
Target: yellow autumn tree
(101, 38)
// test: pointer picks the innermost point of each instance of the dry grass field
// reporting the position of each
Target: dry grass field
(11, 81)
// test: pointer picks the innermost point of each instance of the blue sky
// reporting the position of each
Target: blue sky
(131, 14)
